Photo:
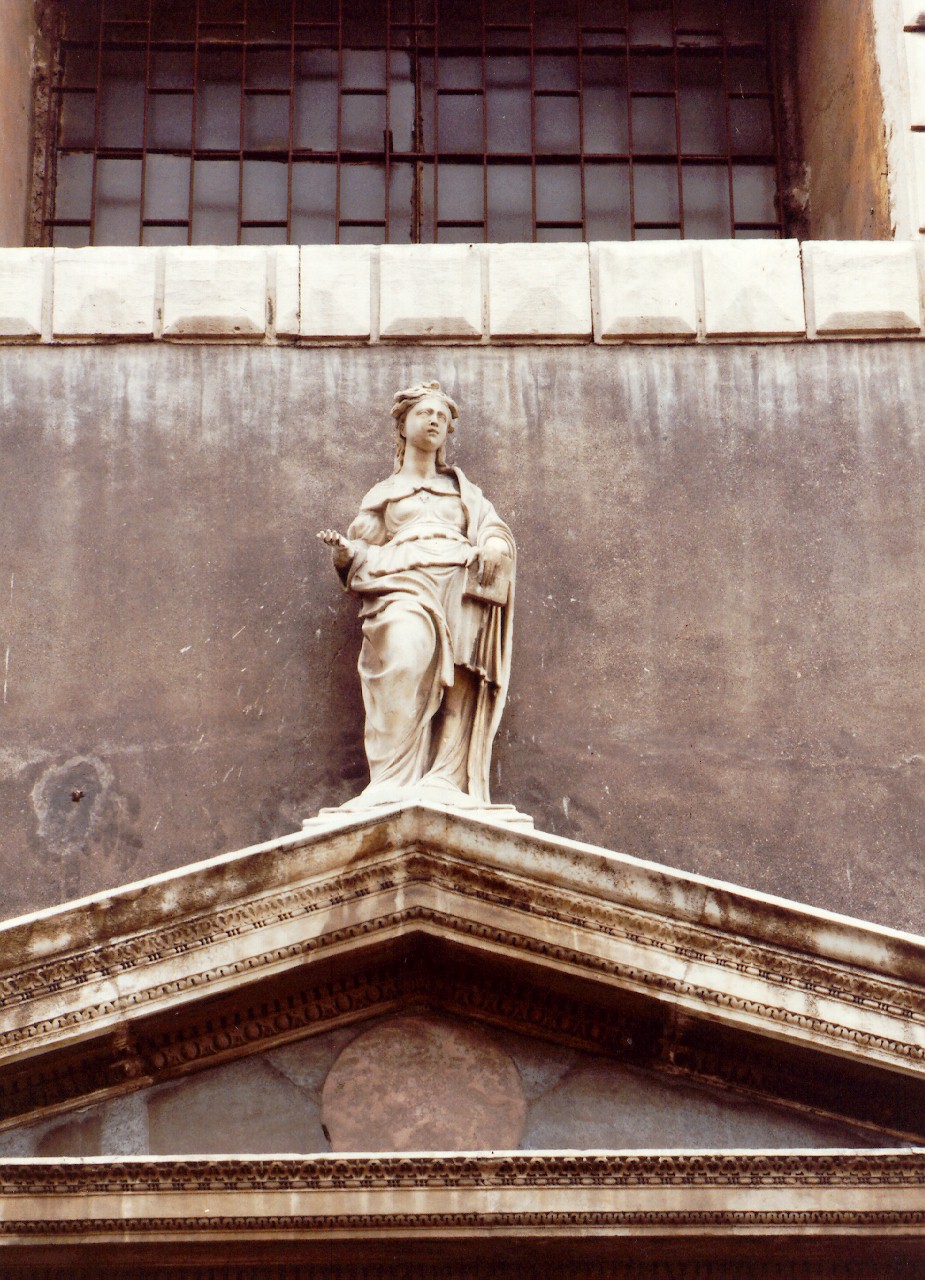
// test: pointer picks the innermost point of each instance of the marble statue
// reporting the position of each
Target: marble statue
(433, 566)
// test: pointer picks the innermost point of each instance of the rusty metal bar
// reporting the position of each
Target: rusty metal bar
(533, 117)
(194, 124)
(580, 42)
(96, 119)
(438, 49)
(773, 48)
(339, 108)
(88, 68)
(241, 119)
(676, 72)
(387, 136)
(483, 71)
(631, 169)
(292, 83)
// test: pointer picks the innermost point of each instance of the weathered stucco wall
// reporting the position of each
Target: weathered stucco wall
(16, 32)
(841, 121)
(720, 604)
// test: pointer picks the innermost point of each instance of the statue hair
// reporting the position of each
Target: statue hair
(405, 400)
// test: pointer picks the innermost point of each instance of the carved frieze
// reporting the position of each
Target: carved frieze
(598, 1197)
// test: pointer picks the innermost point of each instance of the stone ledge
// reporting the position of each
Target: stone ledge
(47, 1204)
(871, 287)
(430, 291)
(215, 292)
(539, 291)
(915, 58)
(656, 291)
(645, 290)
(284, 260)
(107, 292)
(917, 145)
(334, 291)
(754, 288)
(22, 273)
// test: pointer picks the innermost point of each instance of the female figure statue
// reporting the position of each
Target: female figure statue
(432, 564)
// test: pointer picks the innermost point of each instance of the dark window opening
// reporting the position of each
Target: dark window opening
(401, 121)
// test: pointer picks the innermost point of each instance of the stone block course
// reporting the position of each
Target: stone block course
(642, 292)
(22, 273)
(645, 290)
(285, 261)
(215, 292)
(335, 291)
(862, 287)
(915, 57)
(430, 291)
(105, 292)
(918, 181)
(752, 287)
(539, 291)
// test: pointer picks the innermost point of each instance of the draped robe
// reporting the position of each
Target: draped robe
(415, 540)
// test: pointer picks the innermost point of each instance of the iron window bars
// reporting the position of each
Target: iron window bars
(323, 121)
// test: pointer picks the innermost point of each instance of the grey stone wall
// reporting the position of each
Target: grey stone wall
(721, 603)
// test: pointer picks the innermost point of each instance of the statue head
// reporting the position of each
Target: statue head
(404, 400)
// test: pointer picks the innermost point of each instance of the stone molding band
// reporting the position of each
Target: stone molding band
(874, 1194)
(267, 915)
(901, 1167)
(659, 291)
(712, 1222)
(397, 922)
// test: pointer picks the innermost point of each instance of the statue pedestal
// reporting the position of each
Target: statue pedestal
(375, 800)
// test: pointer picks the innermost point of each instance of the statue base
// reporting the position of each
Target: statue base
(375, 799)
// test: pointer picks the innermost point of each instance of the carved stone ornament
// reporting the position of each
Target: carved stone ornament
(422, 905)
(320, 1210)
(433, 565)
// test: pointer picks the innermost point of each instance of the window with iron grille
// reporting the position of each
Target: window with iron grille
(366, 121)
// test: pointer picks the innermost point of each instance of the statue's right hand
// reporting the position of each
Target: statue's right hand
(342, 549)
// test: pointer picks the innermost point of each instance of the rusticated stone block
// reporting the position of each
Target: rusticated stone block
(863, 287)
(286, 265)
(645, 290)
(104, 292)
(918, 181)
(335, 291)
(22, 272)
(539, 291)
(915, 57)
(752, 287)
(215, 292)
(430, 291)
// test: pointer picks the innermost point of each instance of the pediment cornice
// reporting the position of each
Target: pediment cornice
(90, 986)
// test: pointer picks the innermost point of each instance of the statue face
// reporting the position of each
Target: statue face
(427, 424)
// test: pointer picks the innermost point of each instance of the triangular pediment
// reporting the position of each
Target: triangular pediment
(423, 912)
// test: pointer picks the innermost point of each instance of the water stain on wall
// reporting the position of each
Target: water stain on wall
(82, 819)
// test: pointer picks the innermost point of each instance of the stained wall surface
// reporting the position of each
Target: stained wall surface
(720, 609)
(16, 31)
(843, 142)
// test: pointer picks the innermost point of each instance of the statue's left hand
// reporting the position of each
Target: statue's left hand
(491, 557)
(342, 549)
